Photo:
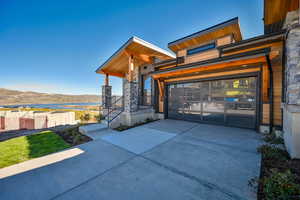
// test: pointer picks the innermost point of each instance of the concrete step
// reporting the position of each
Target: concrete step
(92, 128)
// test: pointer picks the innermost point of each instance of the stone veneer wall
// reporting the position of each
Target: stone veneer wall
(291, 108)
(106, 96)
(293, 65)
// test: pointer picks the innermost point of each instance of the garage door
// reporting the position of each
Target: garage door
(228, 102)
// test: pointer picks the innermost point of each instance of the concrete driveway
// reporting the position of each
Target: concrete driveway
(167, 159)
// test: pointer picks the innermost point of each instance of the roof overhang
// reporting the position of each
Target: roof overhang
(255, 41)
(247, 58)
(276, 10)
(142, 52)
(230, 27)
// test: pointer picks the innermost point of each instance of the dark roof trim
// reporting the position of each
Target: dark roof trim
(261, 38)
(207, 30)
(165, 62)
(115, 53)
(255, 53)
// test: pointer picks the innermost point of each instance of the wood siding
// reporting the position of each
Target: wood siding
(213, 75)
(210, 54)
(224, 40)
(233, 29)
(206, 55)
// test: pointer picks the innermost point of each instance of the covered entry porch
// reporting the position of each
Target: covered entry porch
(132, 63)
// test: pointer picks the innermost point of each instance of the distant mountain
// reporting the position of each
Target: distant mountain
(14, 97)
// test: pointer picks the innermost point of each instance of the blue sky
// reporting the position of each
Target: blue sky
(55, 46)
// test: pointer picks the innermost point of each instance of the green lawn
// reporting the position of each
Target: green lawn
(24, 148)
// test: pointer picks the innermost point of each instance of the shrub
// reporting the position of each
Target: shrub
(271, 152)
(98, 118)
(73, 136)
(86, 117)
(273, 139)
(281, 186)
(122, 127)
(149, 120)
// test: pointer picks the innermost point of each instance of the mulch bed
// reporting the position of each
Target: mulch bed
(267, 164)
(73, 137)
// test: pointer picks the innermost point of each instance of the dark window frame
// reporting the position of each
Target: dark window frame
(201, 49)
(143, 95)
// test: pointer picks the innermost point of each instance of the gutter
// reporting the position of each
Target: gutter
(234, 20)
(271, 113)
(251, 41)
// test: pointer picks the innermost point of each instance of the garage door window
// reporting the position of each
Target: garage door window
(230, 102)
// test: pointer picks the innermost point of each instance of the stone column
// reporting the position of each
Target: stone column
(106, 93)
(291, 108)
(106, 96)
(131, 87)
(130, 96)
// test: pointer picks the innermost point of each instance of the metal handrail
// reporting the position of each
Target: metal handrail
(113, 107)
(103, 103)
(115, 116)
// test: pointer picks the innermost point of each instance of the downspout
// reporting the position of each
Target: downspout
(283, 69)
(271, 113)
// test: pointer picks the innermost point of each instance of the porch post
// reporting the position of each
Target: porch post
(106, 93)
(130, 87)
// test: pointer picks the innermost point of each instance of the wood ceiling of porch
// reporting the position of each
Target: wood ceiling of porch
(142, 53)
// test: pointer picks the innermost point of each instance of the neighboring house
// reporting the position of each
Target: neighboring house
(214, 76)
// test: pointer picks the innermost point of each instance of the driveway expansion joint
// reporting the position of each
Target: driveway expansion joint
(204, 183)
(93, 178)
(169, 140)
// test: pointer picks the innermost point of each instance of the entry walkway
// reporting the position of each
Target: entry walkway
(167, 159)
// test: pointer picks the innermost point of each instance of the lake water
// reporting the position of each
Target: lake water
(53, 106)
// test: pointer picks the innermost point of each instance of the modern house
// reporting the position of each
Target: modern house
(215, 76)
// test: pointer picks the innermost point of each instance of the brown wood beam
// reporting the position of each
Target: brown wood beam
(218, 74)
(265, 83)
(161, 89)
(106, 79)
(130, 68)
(259, 46)
(249, 61)
(120, 75)
(142, 57)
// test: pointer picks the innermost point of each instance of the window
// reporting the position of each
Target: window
(146, 91)
(201, 49)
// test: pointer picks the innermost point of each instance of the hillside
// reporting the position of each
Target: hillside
(14, 97)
